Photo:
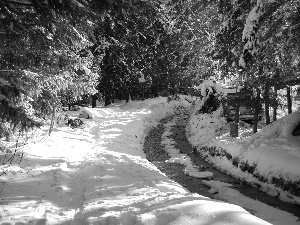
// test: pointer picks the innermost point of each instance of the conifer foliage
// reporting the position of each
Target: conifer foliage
(54, 51)
(126, 39)
(39, 60)
(258, 45)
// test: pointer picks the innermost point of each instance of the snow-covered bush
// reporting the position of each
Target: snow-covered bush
(212, 96)
(203, 127)
(211, 103)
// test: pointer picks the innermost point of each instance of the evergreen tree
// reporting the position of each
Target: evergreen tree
(125, 40)
(38, 54)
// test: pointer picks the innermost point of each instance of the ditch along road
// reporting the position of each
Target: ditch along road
(175, 127)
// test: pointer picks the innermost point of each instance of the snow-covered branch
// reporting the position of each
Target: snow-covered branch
(250, 33)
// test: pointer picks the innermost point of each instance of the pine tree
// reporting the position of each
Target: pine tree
(38, 51)
(125, 40)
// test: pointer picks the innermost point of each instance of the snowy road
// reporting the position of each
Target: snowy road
(99, 175)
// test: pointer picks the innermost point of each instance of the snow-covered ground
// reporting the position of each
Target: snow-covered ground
(273, 152)
(221, 190)
(98, 174)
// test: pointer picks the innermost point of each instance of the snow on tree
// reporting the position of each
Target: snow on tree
(212, 93)
(210, 87)
(38, 56)
(249, 36)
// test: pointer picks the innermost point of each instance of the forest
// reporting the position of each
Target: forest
(56, 54)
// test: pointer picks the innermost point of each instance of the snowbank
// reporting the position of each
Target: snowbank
(268, 159)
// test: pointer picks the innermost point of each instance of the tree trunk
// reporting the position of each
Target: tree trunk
(94, 101)
(289, 99)
(267, 104)
(155, 90)
(256, 111)
(68, 100)
(275, 104)
(52, 116)
(267, 113)
(274, 113)
(107, 100)
(127, 96)
(237, 111)
(107, 90)
(234, 126)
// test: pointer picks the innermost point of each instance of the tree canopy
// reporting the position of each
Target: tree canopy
(56, 52)
(39, 57)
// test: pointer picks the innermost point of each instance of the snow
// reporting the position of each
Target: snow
(183, 159)
(4, 82)
(242, 62)
(86, 70)
(273, 151)
(250, 29)
(226, 193)
(208, 86)
(98, 174)
(88, 111)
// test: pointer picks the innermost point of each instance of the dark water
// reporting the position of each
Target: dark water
(156, 154)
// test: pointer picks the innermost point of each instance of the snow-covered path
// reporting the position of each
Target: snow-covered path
(99, 175)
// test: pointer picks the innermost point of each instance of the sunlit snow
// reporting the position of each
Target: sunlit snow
(98, 174)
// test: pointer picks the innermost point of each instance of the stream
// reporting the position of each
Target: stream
(156, 154)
